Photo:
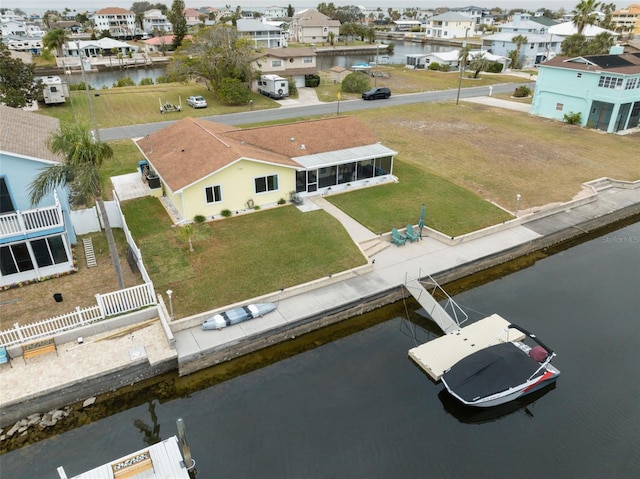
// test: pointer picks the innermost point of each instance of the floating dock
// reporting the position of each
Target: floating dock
(160, 461)
(438, 355)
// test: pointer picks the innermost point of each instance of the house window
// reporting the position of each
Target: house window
(276, 63)
(266, 183)
(610, 82)
(15, 258)
(213, 194)
(307, 60)
(6, 205)
(49, 251)
(559, 106)
(632, 83)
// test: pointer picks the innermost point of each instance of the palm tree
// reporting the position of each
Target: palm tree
(584, 14)
(478, 63)
(519, 40)
(83, 157)
(55, 40)
(187, 232)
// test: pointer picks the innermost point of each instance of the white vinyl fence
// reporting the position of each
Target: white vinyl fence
(110, 304)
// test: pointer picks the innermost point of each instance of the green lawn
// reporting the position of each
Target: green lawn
(450, 209)
(141, 104)
(239, 257)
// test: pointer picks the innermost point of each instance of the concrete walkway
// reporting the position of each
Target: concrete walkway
(391, 267)
(85, 366)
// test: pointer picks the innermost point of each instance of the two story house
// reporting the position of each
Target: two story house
(35, 240)
(311, 26)
(604, 89)
(294, 63)
(540, 44)
(449, 25)
(120, 23)
(263, 35)
(155, 21)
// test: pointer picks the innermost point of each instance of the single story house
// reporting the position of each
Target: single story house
(206, 168)
(451, 58)
(603, 89)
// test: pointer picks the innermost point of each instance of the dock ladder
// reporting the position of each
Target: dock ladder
(89, 253)
(448, 317)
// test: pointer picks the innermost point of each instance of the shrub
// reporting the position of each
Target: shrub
(282, 201)
(146, 81)
(126, 81)
(522, 92)
(162, 79)
(312, 80)
(226, 213)
(445, 67)
(494, 67)
(80, 86)
(233, 92)
(199, 219)
(573, 118)
(356, 82)
(293, 89)
(434, 66)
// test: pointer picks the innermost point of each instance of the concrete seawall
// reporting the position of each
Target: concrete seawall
(48, 382)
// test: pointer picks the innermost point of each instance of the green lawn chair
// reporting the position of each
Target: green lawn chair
(411, 234)
(397, 238)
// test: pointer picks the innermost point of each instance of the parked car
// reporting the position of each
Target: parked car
(197, 102)
(377, 92)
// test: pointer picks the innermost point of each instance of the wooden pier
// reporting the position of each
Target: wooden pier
(162, 460)
(438, 355)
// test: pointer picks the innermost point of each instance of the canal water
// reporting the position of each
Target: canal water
(357, 407)
(107, 79)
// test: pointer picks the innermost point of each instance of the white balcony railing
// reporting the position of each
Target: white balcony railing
(31, 221)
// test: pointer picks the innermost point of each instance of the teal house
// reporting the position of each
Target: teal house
(604, 89)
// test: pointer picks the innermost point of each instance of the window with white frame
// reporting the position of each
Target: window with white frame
(632, 83)
(213, 194)
(264, 184)
(610, 82)
(276, 63)
(307, 60)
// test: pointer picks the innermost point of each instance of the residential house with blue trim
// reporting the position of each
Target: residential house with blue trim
(35, 240)
(604, 89)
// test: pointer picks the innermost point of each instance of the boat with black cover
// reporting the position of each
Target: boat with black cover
(501, 373)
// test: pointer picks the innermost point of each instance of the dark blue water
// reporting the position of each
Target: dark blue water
(359, 408)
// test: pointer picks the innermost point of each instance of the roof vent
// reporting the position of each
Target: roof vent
(302, 147)
(292, 139)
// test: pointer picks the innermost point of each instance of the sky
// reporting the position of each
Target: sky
(39, 6)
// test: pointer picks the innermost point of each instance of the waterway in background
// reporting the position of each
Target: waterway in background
(106, 79)
(358, 407)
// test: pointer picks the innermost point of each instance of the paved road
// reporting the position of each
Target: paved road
(285, 113)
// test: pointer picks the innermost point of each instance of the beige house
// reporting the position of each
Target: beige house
(206, 168)
(292, 63)
(311, 26)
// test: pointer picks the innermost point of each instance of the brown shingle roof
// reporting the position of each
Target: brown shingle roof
(318, 136)
(26, 134)
(114, 11)
(191, 149)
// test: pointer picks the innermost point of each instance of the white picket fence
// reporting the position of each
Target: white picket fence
(110, 304)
